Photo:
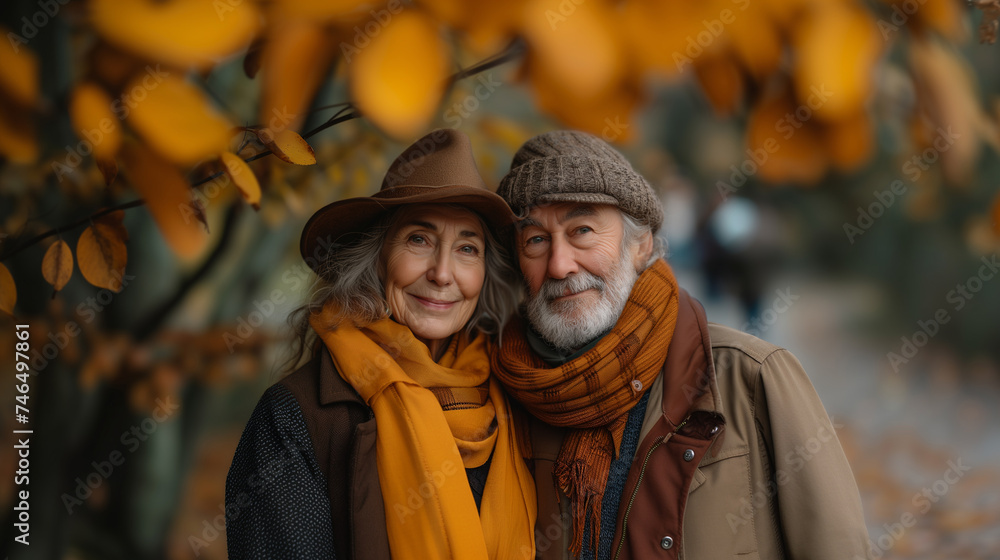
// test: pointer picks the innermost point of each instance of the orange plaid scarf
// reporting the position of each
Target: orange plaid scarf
(595, 392)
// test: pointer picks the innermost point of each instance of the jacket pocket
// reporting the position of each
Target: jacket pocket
(719, 517)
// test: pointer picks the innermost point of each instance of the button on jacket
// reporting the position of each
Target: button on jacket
(738, 459)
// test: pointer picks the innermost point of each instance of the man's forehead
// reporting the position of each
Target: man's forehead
(562, 212)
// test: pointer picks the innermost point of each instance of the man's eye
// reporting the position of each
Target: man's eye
(584, 229)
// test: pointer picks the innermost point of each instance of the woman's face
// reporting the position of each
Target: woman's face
(434, 259)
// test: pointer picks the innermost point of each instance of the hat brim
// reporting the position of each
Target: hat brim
(336, 221)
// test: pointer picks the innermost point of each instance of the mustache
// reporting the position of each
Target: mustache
(575, 283)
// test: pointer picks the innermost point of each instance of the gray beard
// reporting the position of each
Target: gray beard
(570, 325)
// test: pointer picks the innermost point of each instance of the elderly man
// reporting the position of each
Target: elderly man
(660, 435)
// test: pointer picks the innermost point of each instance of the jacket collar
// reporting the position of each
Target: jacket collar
(332, 387)
(689, 381)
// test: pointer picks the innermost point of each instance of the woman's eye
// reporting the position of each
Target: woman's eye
(418, 239)
(469, 250)
(534, 240)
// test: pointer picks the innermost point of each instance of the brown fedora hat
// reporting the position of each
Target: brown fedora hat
(438, 168)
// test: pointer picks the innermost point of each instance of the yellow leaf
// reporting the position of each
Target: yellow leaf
(662, 36)
(176, 119)
(101, 253)
(243, 177)
(397, 81)
(836, 49)
(607, 114)
(756, 41)
(326, 10)
(93, 120)
(288, 146)
(488, 26)
(19, 78)
(168, 198)
(17, 133)
(179, 32)
(57, 265)
(580, 50)
(295, 60)
(8, 291)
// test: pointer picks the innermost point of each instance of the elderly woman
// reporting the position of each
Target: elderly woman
(393, 440)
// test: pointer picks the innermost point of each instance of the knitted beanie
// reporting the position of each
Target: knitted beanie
(571, 166)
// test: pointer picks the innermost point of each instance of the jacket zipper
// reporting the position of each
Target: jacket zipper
(635, 491)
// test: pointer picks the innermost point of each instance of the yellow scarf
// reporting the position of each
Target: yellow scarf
(429, 508)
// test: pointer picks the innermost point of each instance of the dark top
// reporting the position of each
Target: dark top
(277, 504)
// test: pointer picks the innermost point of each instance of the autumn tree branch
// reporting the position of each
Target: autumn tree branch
(512, 51)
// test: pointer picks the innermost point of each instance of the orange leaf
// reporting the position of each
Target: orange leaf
(111, 66)
(17, 133)
(57, 265)
(180, 32)
(295, 60)
(101, 252)
(251, 60)
(19, 78)
(579, 50)
(288, 146)
(780, 150)
(836, 49)
(176, 119)
(109, 169)
(996, 216)
(850, 142)
(243, 177)
(93, 121)
(397, 81)
(325, 10)
(722, 83)
(168, 198)
(8, 291)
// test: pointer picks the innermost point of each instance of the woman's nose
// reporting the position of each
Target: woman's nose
(440, 271)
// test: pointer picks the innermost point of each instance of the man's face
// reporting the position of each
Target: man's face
(578, 275)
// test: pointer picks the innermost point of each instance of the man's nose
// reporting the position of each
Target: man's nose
(562, 260)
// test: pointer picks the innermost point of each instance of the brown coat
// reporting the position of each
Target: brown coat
(342, 429)
(740, 460)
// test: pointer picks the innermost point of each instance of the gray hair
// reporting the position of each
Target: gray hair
(351, 278)
(633, 232)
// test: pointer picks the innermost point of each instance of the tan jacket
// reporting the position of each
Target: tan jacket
(738, 460)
